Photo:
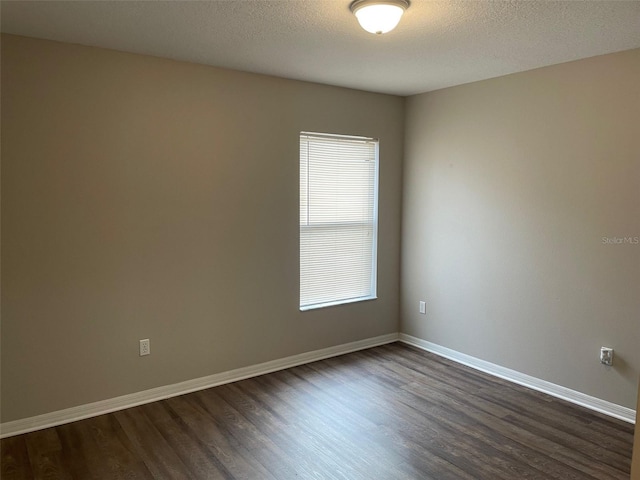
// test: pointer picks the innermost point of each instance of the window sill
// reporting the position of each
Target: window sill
(334, 304)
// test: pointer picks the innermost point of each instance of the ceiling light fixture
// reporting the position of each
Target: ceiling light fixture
(379, 16)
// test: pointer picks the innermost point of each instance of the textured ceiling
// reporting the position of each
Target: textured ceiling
(437, 44)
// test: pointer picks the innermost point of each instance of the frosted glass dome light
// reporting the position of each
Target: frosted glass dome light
(379, 16)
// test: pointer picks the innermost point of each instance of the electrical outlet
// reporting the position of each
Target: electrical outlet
(606, 355)
(145, 347)
(423, 308)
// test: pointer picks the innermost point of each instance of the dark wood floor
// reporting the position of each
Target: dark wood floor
(391, 412)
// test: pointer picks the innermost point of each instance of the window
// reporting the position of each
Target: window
(338, 219)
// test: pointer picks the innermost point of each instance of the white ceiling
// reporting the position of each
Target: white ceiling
(437, 44)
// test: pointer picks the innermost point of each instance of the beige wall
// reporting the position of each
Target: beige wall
(510, 184)
(147, 198)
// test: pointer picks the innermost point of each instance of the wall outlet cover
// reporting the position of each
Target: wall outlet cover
(145, 347)
(606, 355)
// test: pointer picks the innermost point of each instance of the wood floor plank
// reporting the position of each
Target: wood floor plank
(380, 454)
(392, 429)
(97, 448)
(191, 452)
(79, 449)
(256, 407)
(541, 462)
(391, 412)
(317, 423)
(481, 408)
(235, 459)
(442, 446)
(147, 442)
(45, 450)
(14, 459)
(262, 448)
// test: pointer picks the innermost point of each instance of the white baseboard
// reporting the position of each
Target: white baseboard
(73, 414)
(81, 412)
(582, 399)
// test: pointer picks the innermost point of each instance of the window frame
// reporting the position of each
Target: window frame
(373, 285)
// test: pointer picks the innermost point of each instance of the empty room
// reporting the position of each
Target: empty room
(320, 239)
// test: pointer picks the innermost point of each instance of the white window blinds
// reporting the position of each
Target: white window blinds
(338, 219)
